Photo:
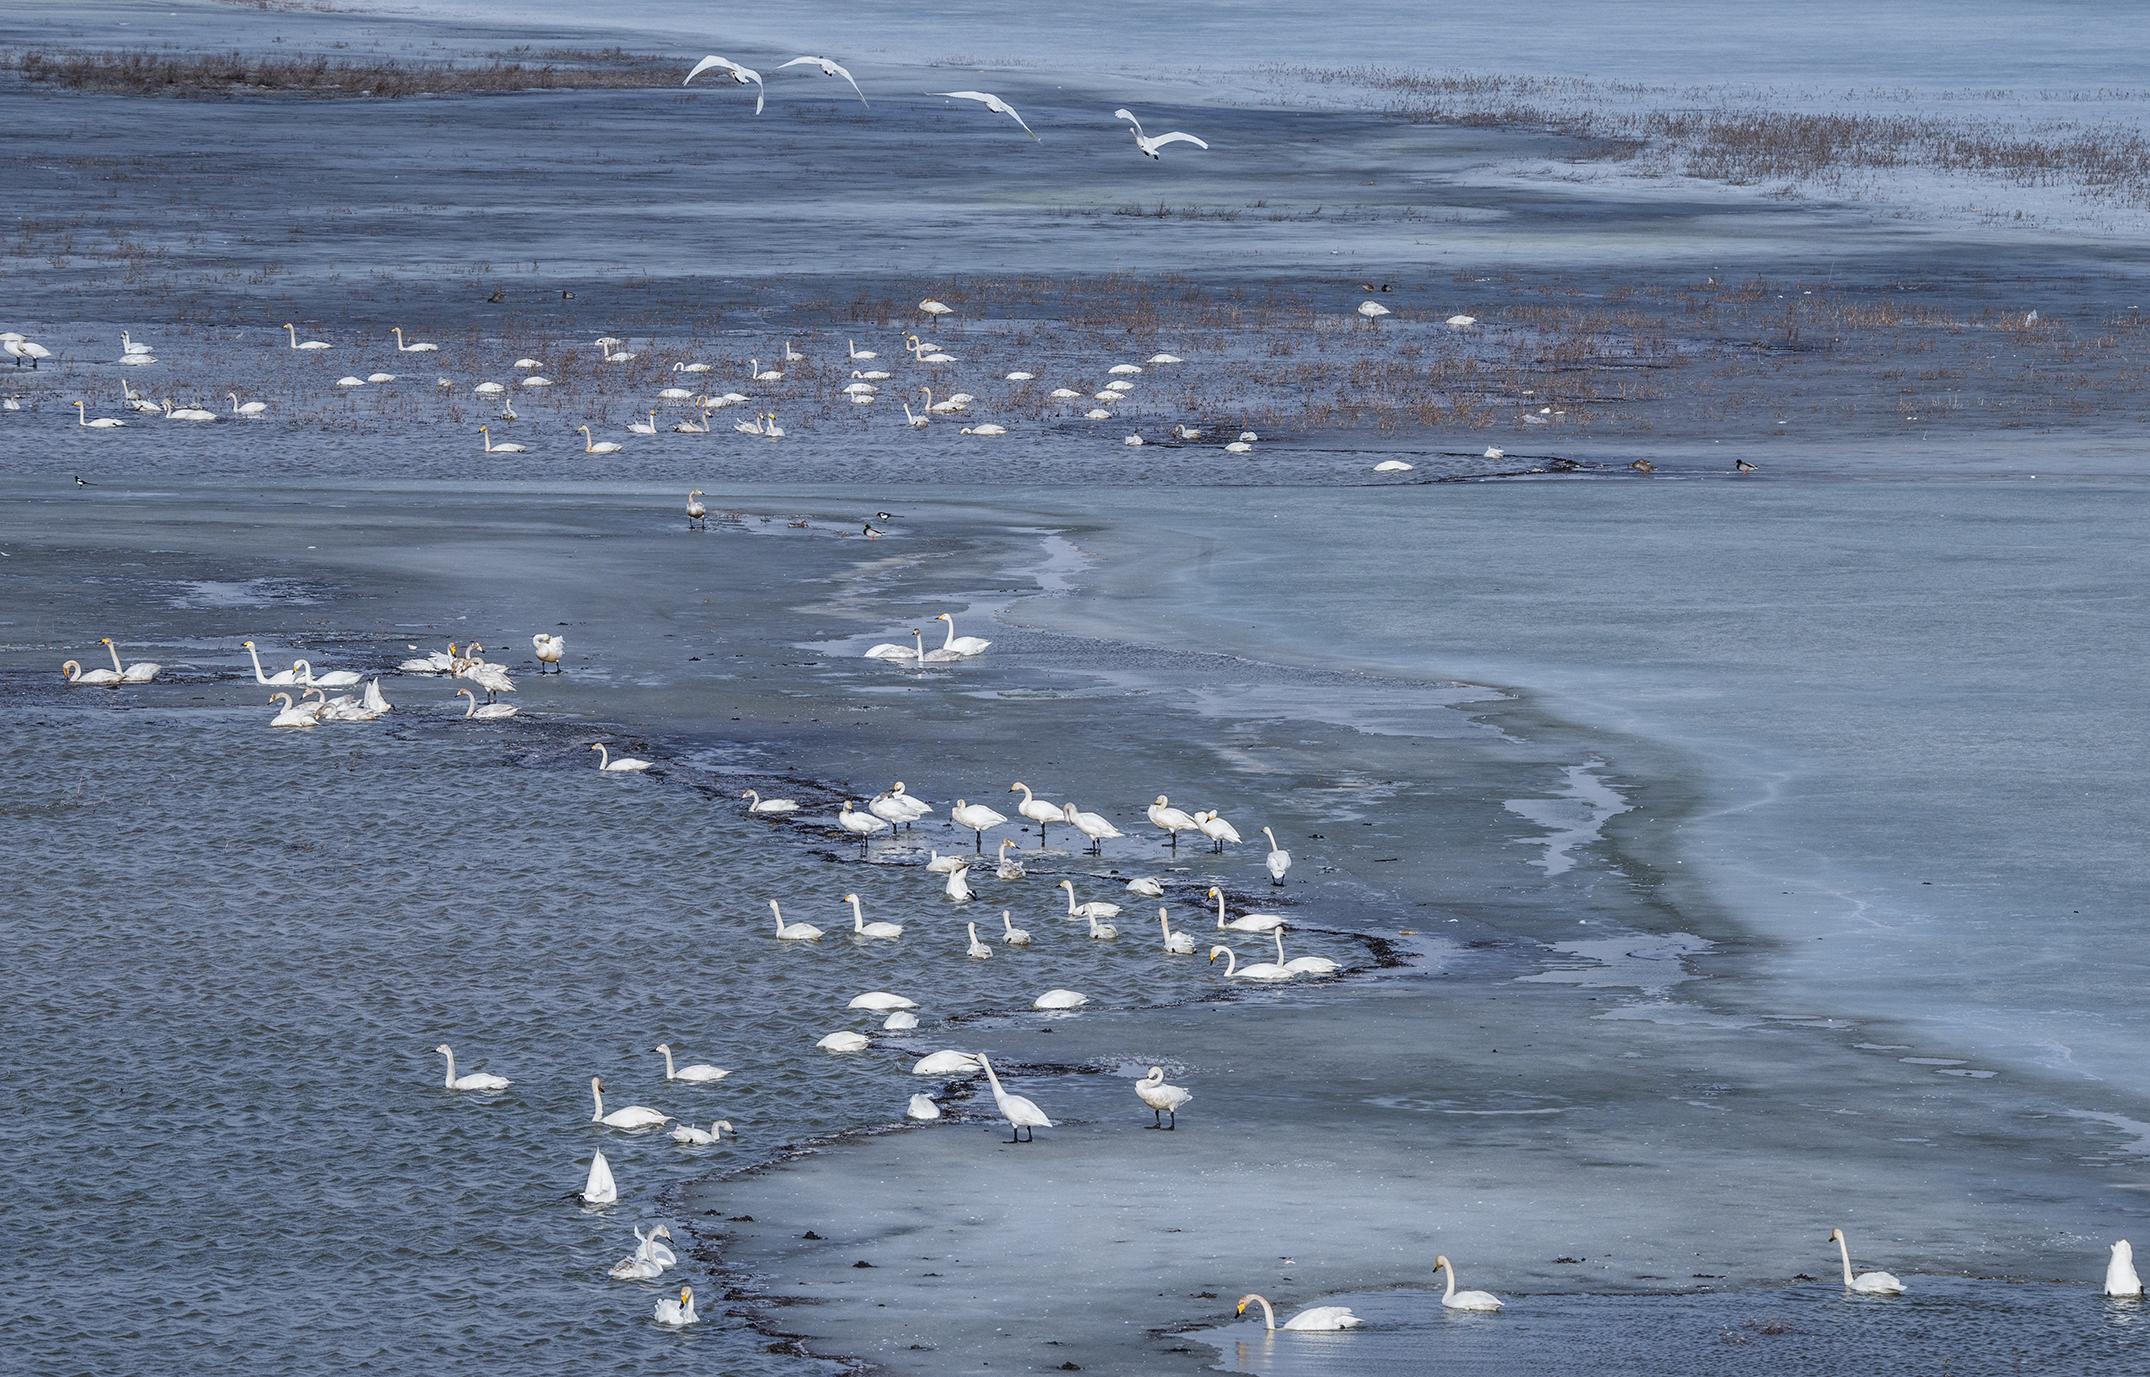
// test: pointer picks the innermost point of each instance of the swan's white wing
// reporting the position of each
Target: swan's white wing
(708, 62)
(1176, 137)
(746, 74)
(1123, 113)
(1009, 111)
(802, 62)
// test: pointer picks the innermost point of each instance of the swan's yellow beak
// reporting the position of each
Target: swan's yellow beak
(1242, 1309)
(1213, 957)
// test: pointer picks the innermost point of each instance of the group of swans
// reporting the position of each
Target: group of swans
(315, 707)
(953, 647)
(1330, 1318)
(140, 672)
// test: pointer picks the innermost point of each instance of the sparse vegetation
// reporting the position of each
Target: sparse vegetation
(221, 77)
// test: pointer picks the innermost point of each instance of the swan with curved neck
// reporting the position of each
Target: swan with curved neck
(793, 932)
(1866, 1283)
(1043, 814)
(1161, 1098)
(1022, 1114)
(1453, 1299)
(73, 673)
(1303, 965)
(1320, 1318)
(698, 1073)
(280, 679)
(962, 647)
(633, 1118)
(1260, 970)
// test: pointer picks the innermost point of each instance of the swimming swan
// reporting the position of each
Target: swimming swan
(1010, 933)
(626, 764)
(283, 678)
(1176, 943)
(793, 932)
(862, 928)
(965, 646)
(1260, 970)
(1453, 1299)
(978, 951)
(1093, 910)
(2120, 1278)
(73, 673)
(140, 672)
(678, 1314)
(633, 1119)
(598, 1188)
(1245, 922)
(475, 1080)
(1303, 965)
(699, 1073)
(1321, 1317)
(1866, 1283)
(691, 1136)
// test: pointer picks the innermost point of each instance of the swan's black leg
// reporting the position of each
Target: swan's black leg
(977, 844)
(1156, 1119)
(1175, 1121)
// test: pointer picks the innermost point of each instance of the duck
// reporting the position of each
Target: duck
(1162, 1099)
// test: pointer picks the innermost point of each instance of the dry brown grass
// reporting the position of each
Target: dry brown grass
(225, 76)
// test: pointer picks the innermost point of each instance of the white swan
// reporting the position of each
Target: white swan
(1008, 868)
(1246, 922)
(977, 951)
(1303, 965)
(649, 1259)
(335, 678)
(1452, 1299)
(1095, 826)
(140, 672)
(281, 679)
(914, 419)
(901, 1021)
(702, 1137)
(289, 716)
(1866, 1283)
(485, 437)
(978, 818)
(128, 344)
(1161, 1098)
(416, 348)
(1101, 932)
(1036, 810)
(1278, 860)
(793, 932)
(1149, 146)
(828, 68)
(739, 74)
(860, 824)
(648, 427)
(881, 1001)
(896, 812)
(946, 1064)
(1145, 887)
(625, 765)
(598, 1188)
(698, 1073)
(100, 423)
(998, 107)
(844, 1042)
(475, 1080)
(297, 343)
(958, 887)
(1260, 970)
(922, 1108)
(862, 928)
(769, 807)
(965, 646)
(937, 864)
(549, 650)
(1176, 943)
(1321, 1318)
(1172, 820)
(1010, 933)
(634, 1118)
(1216, 829)
(484, 712)
(858, 355)
(2120, 1278)
(1023, 1115)
(591, 445)
(438, 662)
(1093, 909)
(890, 650)
(1060, 1000)
(677, 1314)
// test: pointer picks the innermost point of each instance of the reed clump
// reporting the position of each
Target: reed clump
(191, 76)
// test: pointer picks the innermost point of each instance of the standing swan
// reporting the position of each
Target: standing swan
(1172, 820)
(1279, 859)
(1095, 826)
(1320, 1318)
(1038, 812)
(549, 650)
(1161, 1098)
(1453, 1299)
(475, 1080)
(634, 1118)
(1023, 1115)
(1866, 1283)
(2120, 1278)
(978, 818)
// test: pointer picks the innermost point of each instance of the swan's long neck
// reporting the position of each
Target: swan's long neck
(1220, 910)
(597, 1097)
(1450, 1269)
(778, 914)
(1844, 1249)
(1231, 967)
(950, 643)
(858, 921)
(667, 1063)
(470, 702)
(1007, 924)
(1272, 838)
(115, 657)
(1164, 922)
(604, 757)
(1278, 933)
(450, 1081)
(1071, 897)
(1269, 1317)
(990, 1077)
(255, 656)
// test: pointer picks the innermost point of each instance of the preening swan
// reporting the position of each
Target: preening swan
(978, 818)
(1037, 811)
(140, 672)
(1246, 922)
(484, 712)
(977, 951)
(702, 1137)
(1866, 1283)
(958, 887)
(281, 679)
(965, 646)
(1149, 146)
(1161, 1098)
(1101, 932)
(625, 765)
(1320, 1318)
(1010, 933)
(990, 102)
(1093, 910)
(1176, 943)
(549, 650)
(793, 932)
(290, 716)
(646, 1262)
(862, 928)
(2120, 1278)
(769, 807)
(699, 1073)
(828, 68)
(598, 1187)
(1216, 829)
(1023, 1115)
(678, 1314)
(1303, 965)
(634, 1118)
(739, 74)
(1172, 820)
(1260, 970)
(475, 1080)
(1053, 1000)
(1278, 860)
(1145, 887)
(937, 864)
(860, 824)
(1095, 826)
(1452, 1299)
